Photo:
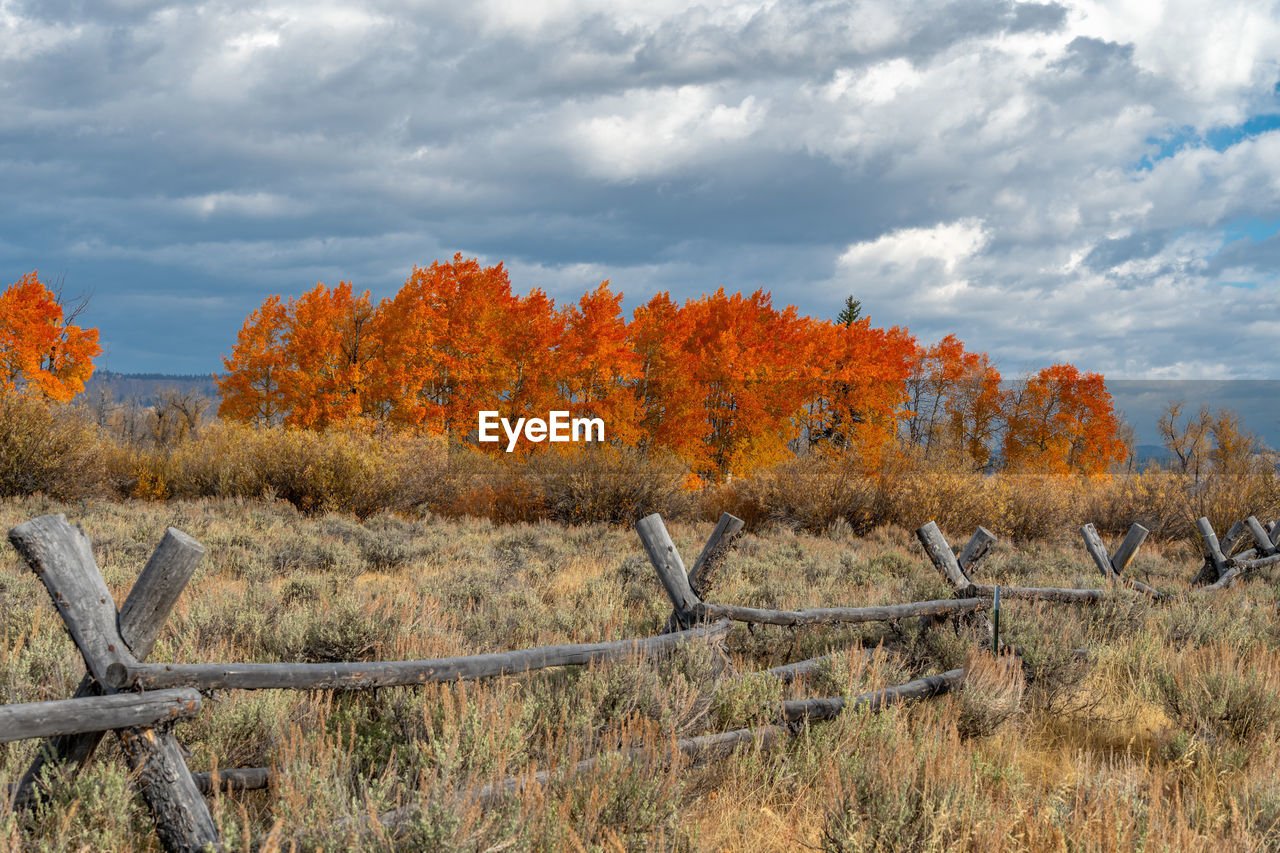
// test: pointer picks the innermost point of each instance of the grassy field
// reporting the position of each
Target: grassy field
(1161, 739)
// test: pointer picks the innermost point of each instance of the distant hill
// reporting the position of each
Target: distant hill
(144, 387)
(1152, 456)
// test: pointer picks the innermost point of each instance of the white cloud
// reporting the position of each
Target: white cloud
(902, 251)
(650, 133)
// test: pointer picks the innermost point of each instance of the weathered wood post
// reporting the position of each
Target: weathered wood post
(700, 578)
(955, 570)
(62, 558)
(978, 546)
(141, 617)
(1260, 535)
(671, 571)
(1111, 567)
(1215, 561)
(939, 551)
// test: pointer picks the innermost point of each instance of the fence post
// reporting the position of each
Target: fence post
(727, 529)
(978, 547)
(666, 560)
(1109, 567)
(62, 558)
(939, 551)
(141, 617)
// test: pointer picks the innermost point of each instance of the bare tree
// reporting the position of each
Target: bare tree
(1187, 440)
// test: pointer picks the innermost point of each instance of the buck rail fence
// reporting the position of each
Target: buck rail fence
(140, 702)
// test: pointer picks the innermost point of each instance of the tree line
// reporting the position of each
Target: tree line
(728, 382)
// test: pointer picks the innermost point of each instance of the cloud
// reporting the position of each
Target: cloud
(1049, 181)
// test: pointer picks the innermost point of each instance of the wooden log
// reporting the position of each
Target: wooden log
(141, 617)
(800, 669)
(717, 545)
(1215, 560)
(1234, 535)
(832, 615)
(671, 571)
(1098, 551)
(1129, 548)
(939, 551)
(1241, 569)
(182, 818)
(63, 559)
(1260, 536)
(875, 700)
(1031, 593)
(789, 672)
(975, 550)
(96, 713)
(238, 779)
(365, 676)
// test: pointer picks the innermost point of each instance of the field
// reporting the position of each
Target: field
(1161, 738)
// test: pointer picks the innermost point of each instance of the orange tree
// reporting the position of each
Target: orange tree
(41, 351)
(953, 401)
(1061, 421)
(447, 338)
(598, 366)
(727, 382)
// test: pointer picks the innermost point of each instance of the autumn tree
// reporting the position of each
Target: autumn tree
(954, 402)
(669, 402)
(448, 334)
(1061, 421)
(253, 388)
(532, 338)
(306, 363)
(751, 361)
(598, 366)
(41, 350)
(329, 347)
(1234, 447)
(857, 385)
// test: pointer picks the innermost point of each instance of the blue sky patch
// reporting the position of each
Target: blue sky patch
(1218, 138)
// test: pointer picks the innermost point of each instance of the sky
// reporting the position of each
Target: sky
(1095, 183)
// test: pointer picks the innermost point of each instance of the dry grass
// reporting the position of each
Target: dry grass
(1163, 739)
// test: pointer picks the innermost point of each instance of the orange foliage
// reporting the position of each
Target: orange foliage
(1061, 421)
(448, 342)
(728, 383)
(954, 402)
(597, 366)
(862, 373)
(39, 351)
(329, 347)
(252, 389)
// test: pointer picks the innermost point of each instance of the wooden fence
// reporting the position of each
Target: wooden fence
(141, 701)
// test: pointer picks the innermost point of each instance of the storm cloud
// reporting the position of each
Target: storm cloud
(1081, 181)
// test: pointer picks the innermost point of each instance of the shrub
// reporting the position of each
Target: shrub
(50, 449)
(991, 695)
(1217, 694)
(609, 484)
